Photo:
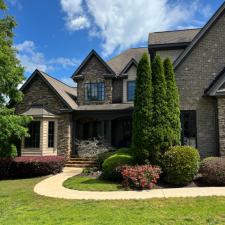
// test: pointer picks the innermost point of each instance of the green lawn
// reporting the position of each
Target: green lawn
(83, 183)
(19, 205)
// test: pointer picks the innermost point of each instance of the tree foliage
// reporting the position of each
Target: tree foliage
(172, 103)
(11, 75)
(159, 123)
(142, 114)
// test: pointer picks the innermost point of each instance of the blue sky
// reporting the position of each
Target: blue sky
(56, 35)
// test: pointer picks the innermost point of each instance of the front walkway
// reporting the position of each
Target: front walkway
(52, 187)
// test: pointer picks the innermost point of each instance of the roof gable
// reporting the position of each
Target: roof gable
(131, 63)
(217, 87)
(61, 90)
(85, 61)
(120, 62)
(200, 35)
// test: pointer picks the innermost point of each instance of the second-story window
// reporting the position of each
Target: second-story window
(131, 85)
(94, 91)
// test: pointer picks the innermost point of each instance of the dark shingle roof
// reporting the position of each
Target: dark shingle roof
(64, 90)
(119, 62)
(172, 37)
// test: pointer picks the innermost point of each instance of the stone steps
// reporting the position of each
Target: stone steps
(78, 162)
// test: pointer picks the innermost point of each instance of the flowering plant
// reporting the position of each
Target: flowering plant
(139, 177)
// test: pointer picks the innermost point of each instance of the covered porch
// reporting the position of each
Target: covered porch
(103, 122)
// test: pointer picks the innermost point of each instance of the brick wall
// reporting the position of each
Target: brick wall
(221, 122)
(194, 75)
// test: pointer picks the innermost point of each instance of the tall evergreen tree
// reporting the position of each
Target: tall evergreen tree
(172, 102)
(159, 136)
(11, 75)
(142, 115)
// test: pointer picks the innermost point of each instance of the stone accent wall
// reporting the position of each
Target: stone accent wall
(194, 75)
(64, 138)
(221, 122)
(117, 91)
(92, 72)
(40, 94)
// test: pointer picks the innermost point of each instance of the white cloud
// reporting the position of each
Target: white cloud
(64, 62)
(124, 23)
(75, 19)
(32, 59)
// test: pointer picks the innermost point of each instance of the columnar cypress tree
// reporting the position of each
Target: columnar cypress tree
(173, 103)
(159, 136)
(142, 115)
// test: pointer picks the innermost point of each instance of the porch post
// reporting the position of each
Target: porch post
(110, 132)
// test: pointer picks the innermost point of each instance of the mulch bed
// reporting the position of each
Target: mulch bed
(162, 185)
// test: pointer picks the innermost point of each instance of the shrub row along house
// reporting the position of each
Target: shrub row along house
(102, 103)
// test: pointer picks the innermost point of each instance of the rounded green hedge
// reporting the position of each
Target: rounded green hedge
(212, 170)
(111, 163)
(180, 164)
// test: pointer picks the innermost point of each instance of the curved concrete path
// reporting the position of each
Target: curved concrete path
(52, 187)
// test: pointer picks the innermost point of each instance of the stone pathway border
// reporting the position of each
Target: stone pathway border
(53, 187)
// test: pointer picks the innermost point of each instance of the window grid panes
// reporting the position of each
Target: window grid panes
(94, 91)
(131, 85)
(51, 130)
(34, 131)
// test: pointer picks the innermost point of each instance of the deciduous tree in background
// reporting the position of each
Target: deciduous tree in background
(11, 75)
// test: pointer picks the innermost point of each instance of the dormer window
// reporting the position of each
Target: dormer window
(131, 85)
(94, 91)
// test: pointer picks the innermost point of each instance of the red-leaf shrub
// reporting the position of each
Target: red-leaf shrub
(31, 166)
(5, 167)
(140, 177)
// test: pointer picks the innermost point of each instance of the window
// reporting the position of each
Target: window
(34, 140)
(94, 91)
(189, 131)
(51, 131)
(130, 90)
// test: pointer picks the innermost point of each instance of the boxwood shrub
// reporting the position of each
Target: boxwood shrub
(212, 170)
(30, 166)
(102, 157)
(180, 164)
(109, 166)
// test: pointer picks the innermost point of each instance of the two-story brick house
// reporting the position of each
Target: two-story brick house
(102, 102)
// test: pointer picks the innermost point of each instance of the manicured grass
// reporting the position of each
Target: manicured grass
(20, 205)
(83, 183)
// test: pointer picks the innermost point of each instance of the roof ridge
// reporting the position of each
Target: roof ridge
(126, 51)
(56, 79)
(170, 31)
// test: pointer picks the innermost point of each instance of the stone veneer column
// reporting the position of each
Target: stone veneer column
(65, 135)
(221, 124)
